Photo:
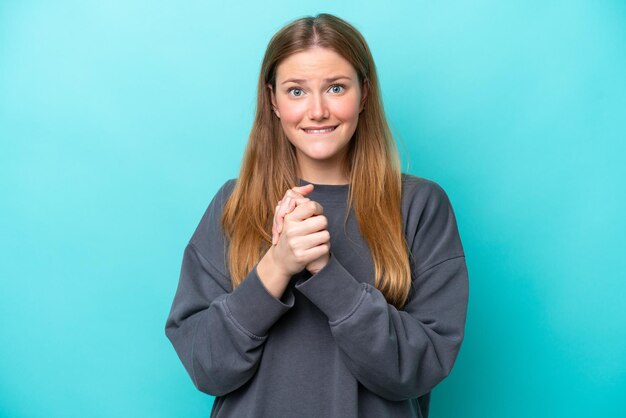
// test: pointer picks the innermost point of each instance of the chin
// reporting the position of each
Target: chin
(322, 155)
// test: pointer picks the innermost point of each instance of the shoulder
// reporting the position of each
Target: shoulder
(226, 189)
(425, 206)
(429, 220)
(419, 192)
(210, 225)
(222, 195)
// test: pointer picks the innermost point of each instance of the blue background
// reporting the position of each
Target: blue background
(119, 120)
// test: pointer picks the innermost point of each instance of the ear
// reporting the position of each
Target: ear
(273, 99)
(364, 92)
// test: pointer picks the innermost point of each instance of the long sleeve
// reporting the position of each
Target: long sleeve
(402, 354)
(218, 333)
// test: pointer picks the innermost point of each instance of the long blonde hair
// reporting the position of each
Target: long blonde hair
(269, 165)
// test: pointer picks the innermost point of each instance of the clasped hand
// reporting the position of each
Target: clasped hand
(299, 232)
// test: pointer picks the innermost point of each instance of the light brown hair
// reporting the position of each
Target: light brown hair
(269, 165)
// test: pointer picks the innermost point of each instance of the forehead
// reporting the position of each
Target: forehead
(314, 63)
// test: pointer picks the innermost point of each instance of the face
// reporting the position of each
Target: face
(318, 100)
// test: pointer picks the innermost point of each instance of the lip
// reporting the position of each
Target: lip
(320, 127)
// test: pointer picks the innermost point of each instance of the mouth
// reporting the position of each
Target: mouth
(320, 129)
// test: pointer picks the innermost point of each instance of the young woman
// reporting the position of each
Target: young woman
(346, 299)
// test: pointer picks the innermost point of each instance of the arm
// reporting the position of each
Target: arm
(219, 333)
(402, 354)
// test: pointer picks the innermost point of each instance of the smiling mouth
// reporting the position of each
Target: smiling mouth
(320, 131)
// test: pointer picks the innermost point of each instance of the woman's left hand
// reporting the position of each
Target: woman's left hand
(294, 197)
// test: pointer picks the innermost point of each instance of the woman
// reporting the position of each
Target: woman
(349, 297)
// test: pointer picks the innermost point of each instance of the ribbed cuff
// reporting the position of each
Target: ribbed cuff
(333, 290)
(254, 308)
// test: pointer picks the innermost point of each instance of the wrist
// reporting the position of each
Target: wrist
(270, 274)
(273, 264)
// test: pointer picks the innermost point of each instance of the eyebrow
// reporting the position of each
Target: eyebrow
(328, 80)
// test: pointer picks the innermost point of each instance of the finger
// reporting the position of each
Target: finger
(274, 225)
(293, 197)
(299, 191)
(279, 211)
(296, 202)
(306, 210)
(309, 240)
(280, 214)
(274, 233)
(316, 238)
(318, 251)
(315, 223)
(292, 194)
(285, 205)
(303, 190)
(280, 220)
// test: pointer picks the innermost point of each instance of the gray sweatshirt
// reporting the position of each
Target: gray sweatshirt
(331, 346)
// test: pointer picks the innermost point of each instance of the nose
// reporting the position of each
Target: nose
(318, 109)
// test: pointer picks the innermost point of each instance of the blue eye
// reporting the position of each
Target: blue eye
(295, 89)
(338, 86)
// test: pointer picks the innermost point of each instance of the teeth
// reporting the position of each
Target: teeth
(317, 131)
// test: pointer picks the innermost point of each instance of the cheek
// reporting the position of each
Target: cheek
(346, 110)
(290, 113)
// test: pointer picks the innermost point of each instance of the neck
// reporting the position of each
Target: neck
(325, 178)
(323, 172)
